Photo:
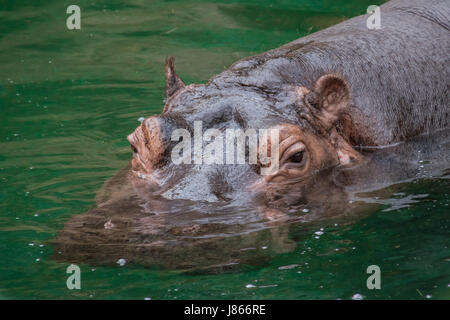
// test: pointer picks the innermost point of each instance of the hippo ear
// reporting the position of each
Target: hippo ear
(173, 81)
(330, 98)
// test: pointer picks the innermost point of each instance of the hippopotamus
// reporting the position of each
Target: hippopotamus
(338, 99)
(328, 93)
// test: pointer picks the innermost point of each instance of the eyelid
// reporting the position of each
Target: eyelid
(293, 149)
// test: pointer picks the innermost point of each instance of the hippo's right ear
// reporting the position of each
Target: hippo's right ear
(329, 99)
(173, 81)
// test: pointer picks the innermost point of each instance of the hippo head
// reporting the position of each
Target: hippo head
(188, 151)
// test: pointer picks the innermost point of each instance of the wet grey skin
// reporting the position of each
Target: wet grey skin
(398, 80)
(395, 82)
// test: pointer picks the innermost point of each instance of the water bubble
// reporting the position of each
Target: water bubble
(147, 298)
(269, 286)
(291, 266)
(428, 296)
(319, 233)
(250, 286)
(121, 262)
(264, 247)
(357, 296)
(305, 210)
(141, 119)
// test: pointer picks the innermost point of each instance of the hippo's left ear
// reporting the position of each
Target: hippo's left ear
(330, 98)
(173, 81)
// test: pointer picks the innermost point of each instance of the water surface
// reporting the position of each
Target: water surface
(69, 98)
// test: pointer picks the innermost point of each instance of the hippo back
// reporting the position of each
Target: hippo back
(398, 74)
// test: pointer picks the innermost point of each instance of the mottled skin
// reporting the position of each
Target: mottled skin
(332, 94)
(334, 90)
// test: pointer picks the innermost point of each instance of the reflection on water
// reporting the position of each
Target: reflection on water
(215, 237)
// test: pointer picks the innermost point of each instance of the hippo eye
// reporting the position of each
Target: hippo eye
(296, 158)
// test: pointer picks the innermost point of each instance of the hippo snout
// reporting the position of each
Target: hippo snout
(132, 142)
(148, 144)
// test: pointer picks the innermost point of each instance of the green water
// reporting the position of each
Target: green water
(69, 98)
